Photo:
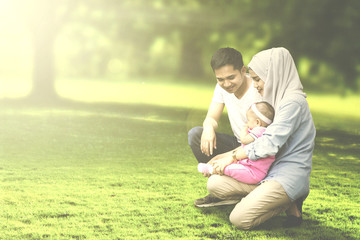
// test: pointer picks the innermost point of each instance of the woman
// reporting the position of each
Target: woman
(291, 137)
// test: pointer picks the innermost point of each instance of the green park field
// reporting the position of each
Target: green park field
(112, 162)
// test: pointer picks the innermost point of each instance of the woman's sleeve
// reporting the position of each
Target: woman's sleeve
(287, 120)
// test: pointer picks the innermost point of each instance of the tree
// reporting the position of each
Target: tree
(44, 20)
(44, 33)
(323, 30)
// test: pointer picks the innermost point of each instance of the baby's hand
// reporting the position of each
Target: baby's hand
(245, 128)
(244, 132)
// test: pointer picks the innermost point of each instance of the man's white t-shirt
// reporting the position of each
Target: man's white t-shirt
(236, 108)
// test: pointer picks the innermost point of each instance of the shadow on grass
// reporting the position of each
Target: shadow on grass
(332, 144)
(341, 142)
(338, 149)
(89, 130)
(309, 229)
(188, 117)
(99, 107)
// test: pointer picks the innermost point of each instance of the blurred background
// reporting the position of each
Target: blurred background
(60, 47)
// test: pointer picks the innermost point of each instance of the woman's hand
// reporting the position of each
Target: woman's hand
(219, 162)
(208, 140)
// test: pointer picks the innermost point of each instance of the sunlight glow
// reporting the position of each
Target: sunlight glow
(16, 52)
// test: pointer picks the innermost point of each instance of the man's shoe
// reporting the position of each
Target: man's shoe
(211, 201)
(293, 221)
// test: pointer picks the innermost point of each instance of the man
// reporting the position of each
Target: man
(234, 90)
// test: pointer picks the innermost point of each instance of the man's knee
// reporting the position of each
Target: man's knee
(241, 219)
(194, 135)
(213, 185)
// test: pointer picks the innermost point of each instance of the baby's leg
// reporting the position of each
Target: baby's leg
(205, 168)
(241, 173)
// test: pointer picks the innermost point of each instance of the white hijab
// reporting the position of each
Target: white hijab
(277, 69)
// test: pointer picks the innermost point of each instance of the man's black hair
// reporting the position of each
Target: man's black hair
(227, 56)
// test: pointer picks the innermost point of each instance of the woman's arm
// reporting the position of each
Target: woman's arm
(287, 121)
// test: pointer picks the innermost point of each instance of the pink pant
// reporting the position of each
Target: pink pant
(245, 174)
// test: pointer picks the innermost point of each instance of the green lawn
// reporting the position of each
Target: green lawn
(125, 171)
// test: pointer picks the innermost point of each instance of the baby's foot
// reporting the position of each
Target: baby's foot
(205, 168)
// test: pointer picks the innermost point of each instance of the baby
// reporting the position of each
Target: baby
(259, 116)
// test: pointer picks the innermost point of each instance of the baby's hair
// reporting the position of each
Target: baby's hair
(266, 109)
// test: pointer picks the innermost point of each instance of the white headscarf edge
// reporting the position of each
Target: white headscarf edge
(277, 69)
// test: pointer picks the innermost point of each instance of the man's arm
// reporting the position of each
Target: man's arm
(208, 137)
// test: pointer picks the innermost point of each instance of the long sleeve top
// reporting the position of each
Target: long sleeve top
(291, 138)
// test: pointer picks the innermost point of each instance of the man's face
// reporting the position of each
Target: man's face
(230, 79)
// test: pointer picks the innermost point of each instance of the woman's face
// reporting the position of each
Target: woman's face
(258, 82)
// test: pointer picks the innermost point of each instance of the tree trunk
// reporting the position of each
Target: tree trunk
(191, 55)
(43, 75)
(44, 33)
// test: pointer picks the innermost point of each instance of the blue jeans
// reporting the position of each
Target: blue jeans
(224, 143)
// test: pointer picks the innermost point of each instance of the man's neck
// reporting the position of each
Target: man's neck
(243, 89)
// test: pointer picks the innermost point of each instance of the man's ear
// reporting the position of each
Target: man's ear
(243, 69)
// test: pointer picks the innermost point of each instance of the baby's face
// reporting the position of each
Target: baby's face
(253, 120)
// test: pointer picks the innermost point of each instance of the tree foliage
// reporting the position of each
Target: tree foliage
(179, 37)
(124, 38)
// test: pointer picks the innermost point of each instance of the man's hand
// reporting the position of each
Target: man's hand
(208, 141)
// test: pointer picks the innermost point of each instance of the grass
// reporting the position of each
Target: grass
(124, 170)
